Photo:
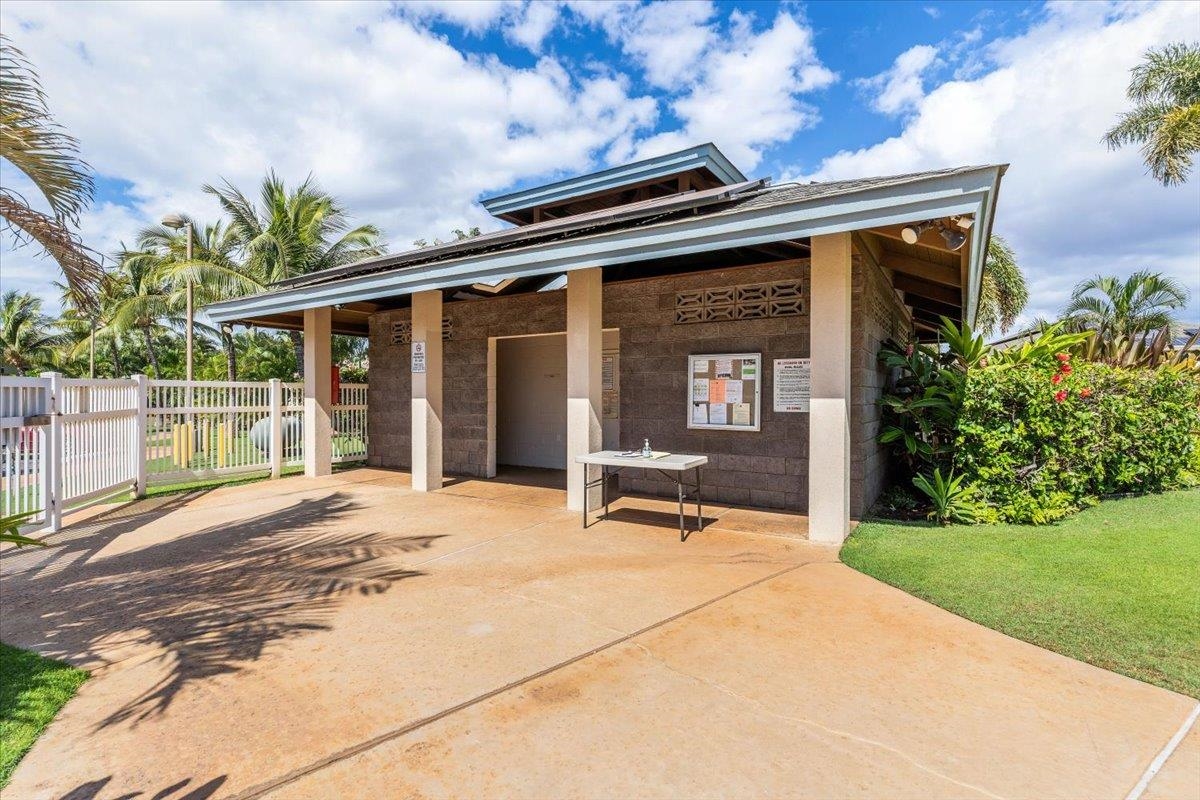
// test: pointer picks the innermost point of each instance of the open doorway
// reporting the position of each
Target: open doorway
(531, 402)
(528, 419)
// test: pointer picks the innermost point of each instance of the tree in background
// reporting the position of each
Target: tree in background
(1003, 293)
(28, 338)
(142, 302)
(48, 156)
(1123, 310)
(1165, 120)
(290, 234)
(215, 271)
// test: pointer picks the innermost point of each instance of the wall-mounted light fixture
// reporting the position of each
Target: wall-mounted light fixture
(911, 233)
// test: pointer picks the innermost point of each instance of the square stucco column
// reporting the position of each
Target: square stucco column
(829, 409)
(585, 337)
(427, 393)
(318, 383)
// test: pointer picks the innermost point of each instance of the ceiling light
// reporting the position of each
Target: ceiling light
(911, 233)
(954, 239)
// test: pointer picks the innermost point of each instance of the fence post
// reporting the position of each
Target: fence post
(276, 427)
(54, 454)
(141, 430)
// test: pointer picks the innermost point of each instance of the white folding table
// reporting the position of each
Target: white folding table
(672, 466)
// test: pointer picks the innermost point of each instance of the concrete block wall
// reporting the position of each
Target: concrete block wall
(767, 469)
(877, 315)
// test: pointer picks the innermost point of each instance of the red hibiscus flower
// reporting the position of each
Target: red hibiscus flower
(1060, 395)
(1063, 357)
(1066, 369)
(1056, 379)
(1085, 392)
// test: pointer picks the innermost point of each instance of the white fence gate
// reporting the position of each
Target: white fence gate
(65, 442)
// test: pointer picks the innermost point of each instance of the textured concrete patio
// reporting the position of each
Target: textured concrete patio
(347, 637)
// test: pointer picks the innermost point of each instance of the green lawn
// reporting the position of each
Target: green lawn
(32, 690)
(1117, 585)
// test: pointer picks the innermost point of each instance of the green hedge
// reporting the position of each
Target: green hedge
(1039, 447)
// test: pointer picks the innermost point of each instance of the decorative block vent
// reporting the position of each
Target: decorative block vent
(402, 331)
(750, 301)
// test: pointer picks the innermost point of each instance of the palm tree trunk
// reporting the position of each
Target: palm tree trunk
(298, 347)
(115, 352)
(92, 352)
(230, 353)
(152, 353)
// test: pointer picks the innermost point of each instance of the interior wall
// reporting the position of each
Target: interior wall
(531, 401)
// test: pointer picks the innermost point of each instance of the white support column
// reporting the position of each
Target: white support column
(275, 396)
(585, 343)
(140, 434)
(427, 392)
(829, 416)
(318, 430)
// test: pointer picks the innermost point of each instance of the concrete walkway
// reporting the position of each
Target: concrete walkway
(345, 637)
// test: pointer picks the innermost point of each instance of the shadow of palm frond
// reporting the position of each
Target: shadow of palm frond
(207, 603)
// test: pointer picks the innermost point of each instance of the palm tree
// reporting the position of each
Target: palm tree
(36, 145)
(1122, 311)
(27, 336)
(1165, 120)
(214, 271)
(142, 301)
(1002, 293)
(293, 233)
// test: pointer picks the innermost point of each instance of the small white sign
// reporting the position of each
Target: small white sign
(418, 357)
(793, 385)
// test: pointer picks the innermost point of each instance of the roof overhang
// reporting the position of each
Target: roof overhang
(702, 157)
(966, 192)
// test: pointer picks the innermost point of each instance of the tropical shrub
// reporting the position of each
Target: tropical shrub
(1039, 444)
(951, 500)
(1026, 435)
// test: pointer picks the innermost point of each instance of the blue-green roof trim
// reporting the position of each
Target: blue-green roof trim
(797, 211)
(705, 156)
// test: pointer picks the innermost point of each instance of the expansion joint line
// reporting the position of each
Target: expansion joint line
(262, 789)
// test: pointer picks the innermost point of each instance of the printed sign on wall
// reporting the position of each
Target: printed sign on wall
(418, 357)
(793, 385)
(724, 391)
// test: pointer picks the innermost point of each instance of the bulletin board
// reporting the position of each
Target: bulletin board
(725, 391)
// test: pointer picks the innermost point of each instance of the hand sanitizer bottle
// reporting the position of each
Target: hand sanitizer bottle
(646, 451)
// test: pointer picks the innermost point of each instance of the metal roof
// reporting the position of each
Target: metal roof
(508, 238)
(694, 222)
(705, 156)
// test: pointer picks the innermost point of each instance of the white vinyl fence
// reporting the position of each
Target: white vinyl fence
(65, 442)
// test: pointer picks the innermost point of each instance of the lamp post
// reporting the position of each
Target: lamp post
(176, 221)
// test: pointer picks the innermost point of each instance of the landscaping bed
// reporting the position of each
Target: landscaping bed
(1114, 585)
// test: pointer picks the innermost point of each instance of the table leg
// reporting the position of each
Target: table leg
(679, 485)
(604, 490)
(699, 510)
(585, 481)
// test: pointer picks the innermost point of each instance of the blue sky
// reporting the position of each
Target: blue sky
(410, 112)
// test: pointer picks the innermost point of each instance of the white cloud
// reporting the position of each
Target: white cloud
(475, 16)
(933, 11)
(530, 25)
(666, 39)
(405, 129)
(1069, 206)
(901, 87)
(747, 92)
